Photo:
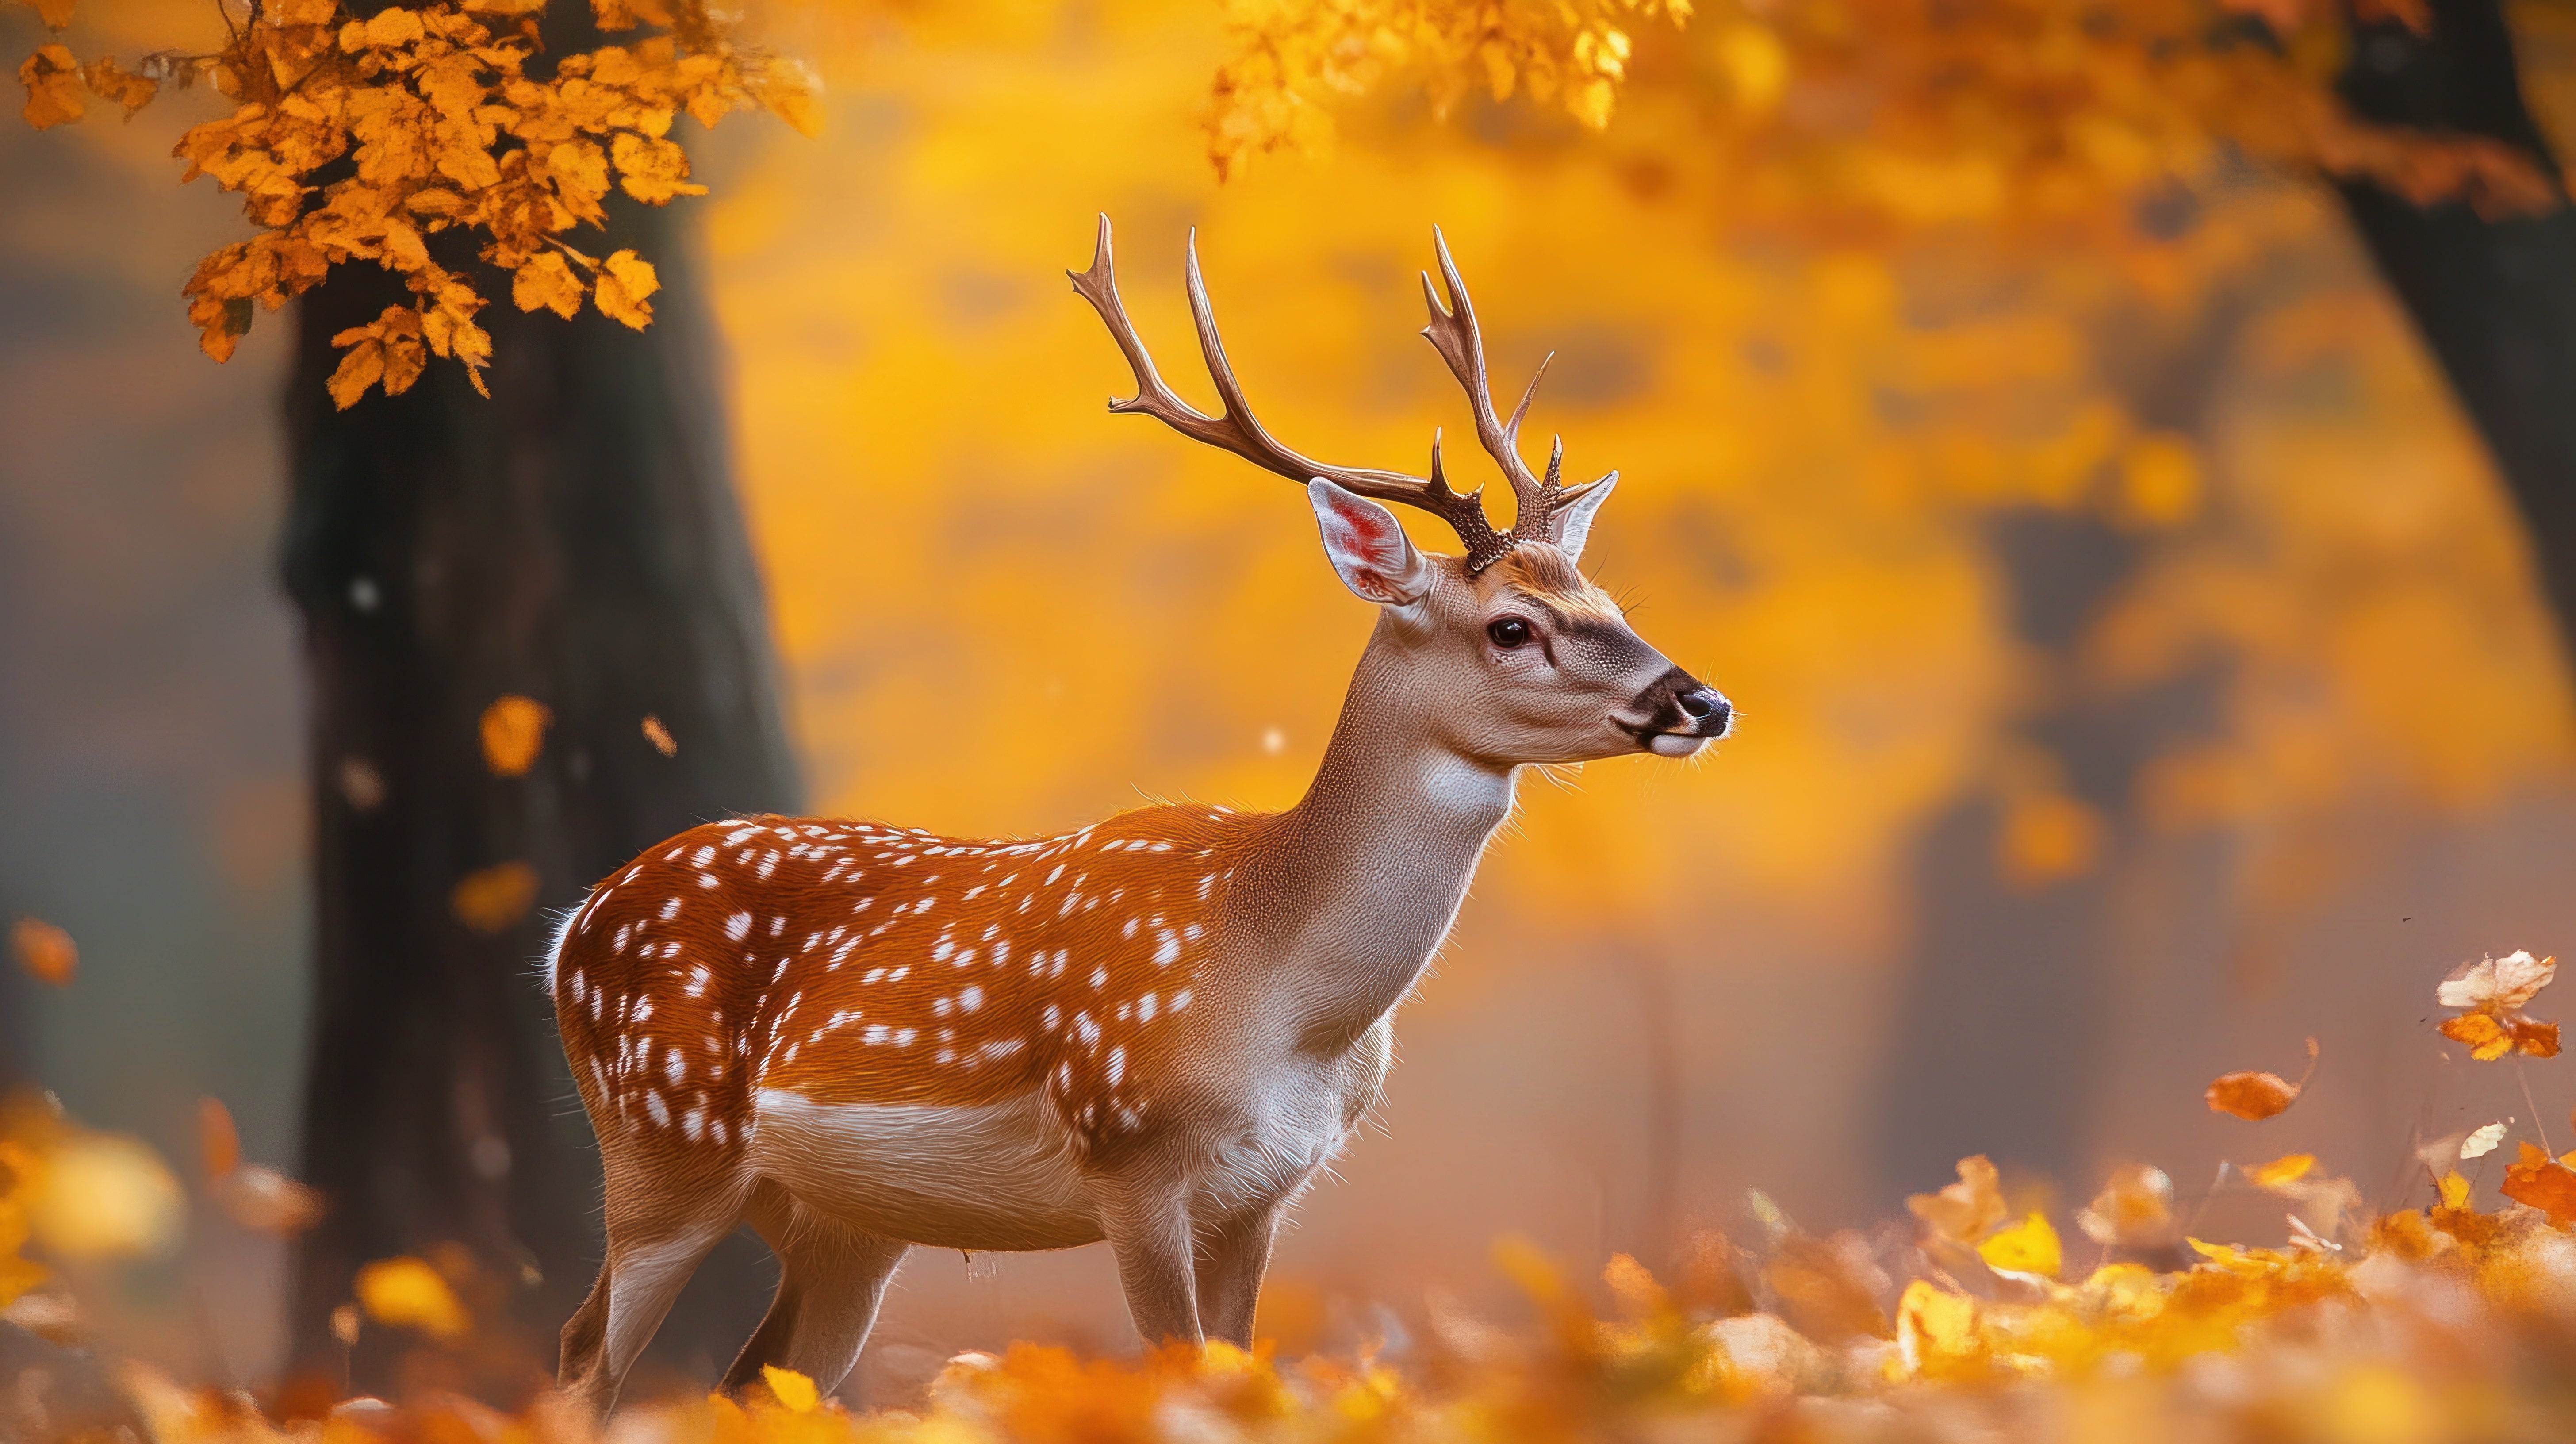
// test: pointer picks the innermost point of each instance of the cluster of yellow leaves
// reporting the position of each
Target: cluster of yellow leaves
(366, 140)
(1910, 112)
(1570, 54)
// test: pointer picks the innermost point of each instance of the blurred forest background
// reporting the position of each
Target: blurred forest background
(2142, 666)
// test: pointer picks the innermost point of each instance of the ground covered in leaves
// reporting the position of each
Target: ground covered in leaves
(1976, 1320)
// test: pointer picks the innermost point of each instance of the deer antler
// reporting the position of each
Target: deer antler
(1235, 429)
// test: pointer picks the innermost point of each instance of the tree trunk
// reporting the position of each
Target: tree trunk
(2494, 299)
(575, 539)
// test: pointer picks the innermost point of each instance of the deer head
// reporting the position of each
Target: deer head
(1509, 653)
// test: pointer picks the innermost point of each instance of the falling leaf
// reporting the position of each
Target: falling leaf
(2257, 1096)
(2542, 1182)
(345, 1321)
(44, 950)
(408, 1292)
(492, 900)
(1967, 1210)
(514, 732)
(264, 1200)
(218, 1142)
(2133, 1210)
(2481, 1142)
(2495, 990)
(625, 280)
(2454, 1190)
(2287, 1169)
(660, 737)
(2252, 1096)
(2028, 1247)
(793, 1389)
(106, 1196)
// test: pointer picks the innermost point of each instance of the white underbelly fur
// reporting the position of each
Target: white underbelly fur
(996, 1176)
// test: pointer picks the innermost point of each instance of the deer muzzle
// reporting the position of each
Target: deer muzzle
(1682, 714)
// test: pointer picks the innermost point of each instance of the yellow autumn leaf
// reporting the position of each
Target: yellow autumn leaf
(2028, 1247)
(408, 1292)
(793, 1389)
(625, 280)
(652, 171)
(547, 281)
(2288, 1168)
(106, 1196)
(2455, 1190)
(514, 732)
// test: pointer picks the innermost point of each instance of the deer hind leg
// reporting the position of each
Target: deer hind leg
(831, 1278)
(649, 1261)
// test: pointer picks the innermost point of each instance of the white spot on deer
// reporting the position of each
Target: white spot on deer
(702, 857)
(692, 1123)
(671, 909)
(874, 1033)
(1054, 1015)
(653, 1104)
(1180, 1000)
(677, 1067)
(738, 926)
(778, 925)
(903, 1037)
(939, 1007)
(970, 997)
(1145, 1008)
(706, 879)
(1130, 930)
(643, 1010)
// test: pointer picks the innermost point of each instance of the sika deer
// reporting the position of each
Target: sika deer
(1155, 1030)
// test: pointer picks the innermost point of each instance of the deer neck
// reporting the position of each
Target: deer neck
(1364, 876)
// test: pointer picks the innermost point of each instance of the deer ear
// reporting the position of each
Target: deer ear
(1574, 524)
(1368, 546)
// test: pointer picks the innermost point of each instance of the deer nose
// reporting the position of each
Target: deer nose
(1701, 703)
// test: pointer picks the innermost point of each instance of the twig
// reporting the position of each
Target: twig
(2523, 1077)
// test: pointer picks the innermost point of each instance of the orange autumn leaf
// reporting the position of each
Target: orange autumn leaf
(660, 737)
(2255, 1096)
(492, 900)
(218, 1141)
(625, 279)
(44, 950)
(2542, 1182)
(2287, 1169)
(54, 91)
(2495, 990)
(2133, 1210)
(514, 732)
(1967, 1210)
(2252, 1096)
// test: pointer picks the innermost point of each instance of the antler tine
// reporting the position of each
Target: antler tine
(1237, 430)
(1460, 340)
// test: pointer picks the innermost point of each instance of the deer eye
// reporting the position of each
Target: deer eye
(1508, 632)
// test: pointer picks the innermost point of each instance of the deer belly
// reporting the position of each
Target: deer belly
(992, 1176)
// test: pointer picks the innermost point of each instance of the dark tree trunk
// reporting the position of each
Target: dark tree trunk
(574, 539)
(2495, 299)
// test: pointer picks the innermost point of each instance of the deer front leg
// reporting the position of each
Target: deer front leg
(1148, 1225)
(1231, 1262)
